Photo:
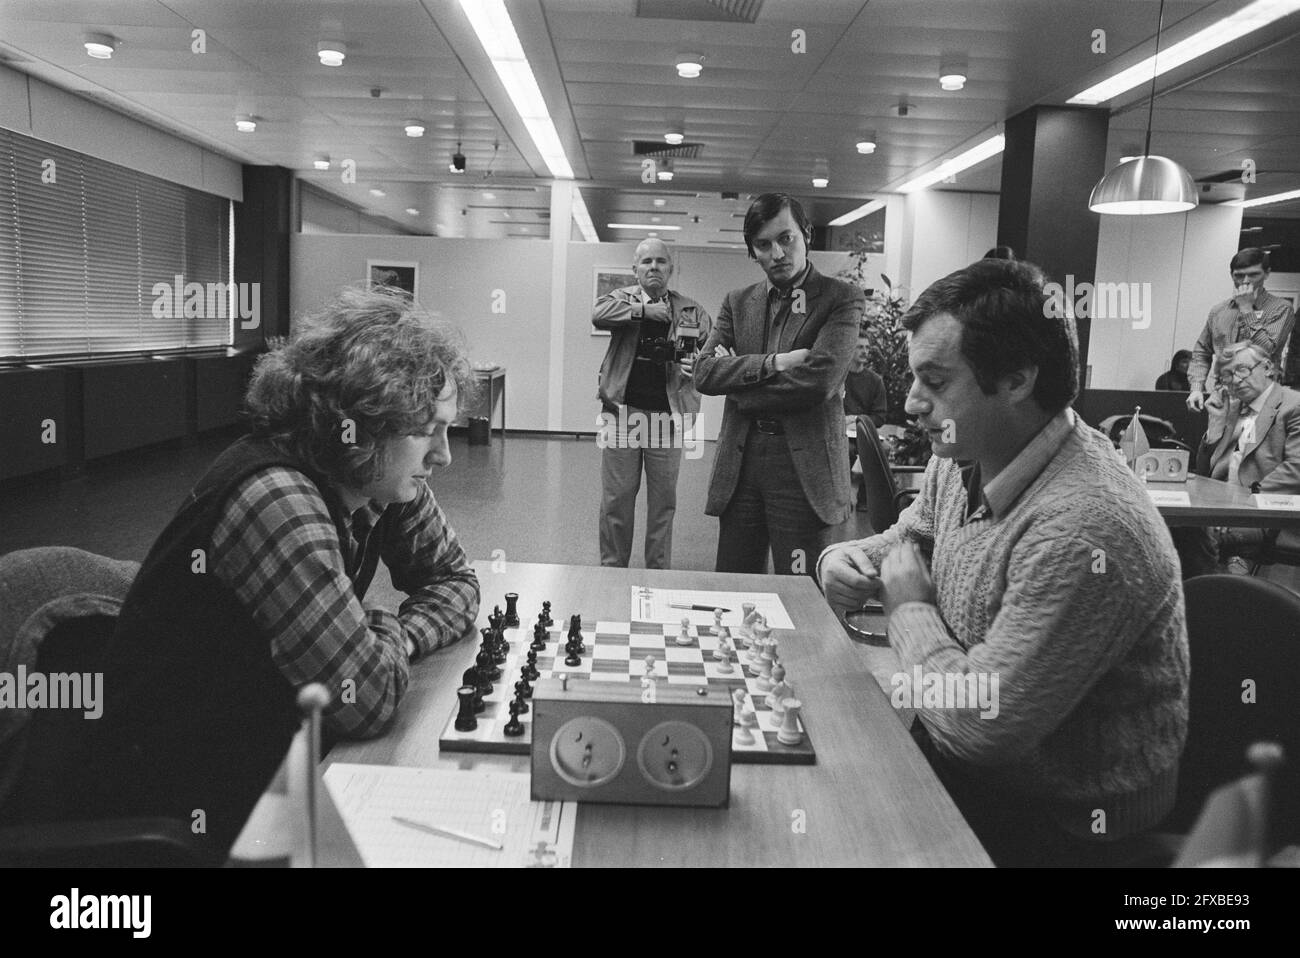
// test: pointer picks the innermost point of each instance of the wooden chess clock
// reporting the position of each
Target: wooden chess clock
(610, 742)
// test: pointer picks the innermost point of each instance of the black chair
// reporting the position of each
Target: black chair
(1281, 547)
(58, 608)
(1238, 825)
(881, 492)
(1244, 636)
(1161, 433)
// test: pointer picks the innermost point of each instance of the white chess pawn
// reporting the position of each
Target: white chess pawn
(684, 637)
(781, 690)
(717, 621)
(723, 646)
(724, 665)
(743, 735)
(748, 722)
(648, 679)
(790, 733)
(737, 705)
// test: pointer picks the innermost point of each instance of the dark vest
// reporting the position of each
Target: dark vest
(196, 715)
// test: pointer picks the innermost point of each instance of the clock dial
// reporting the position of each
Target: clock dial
(675, 756)
(587, 751)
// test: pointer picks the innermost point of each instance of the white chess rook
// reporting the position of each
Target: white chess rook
(789, 733)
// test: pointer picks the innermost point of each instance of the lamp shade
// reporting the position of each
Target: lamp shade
(1144, 186)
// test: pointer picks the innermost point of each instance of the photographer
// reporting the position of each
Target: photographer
(645, 382)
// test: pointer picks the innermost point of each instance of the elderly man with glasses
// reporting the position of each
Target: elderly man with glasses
(1259, 448)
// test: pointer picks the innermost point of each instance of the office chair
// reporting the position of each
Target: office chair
(1238, 826)
(881, 492)
(1281, 547)
(58, 608)
(1244, 637)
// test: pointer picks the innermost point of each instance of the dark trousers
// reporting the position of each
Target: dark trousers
(769, 512)
(1200, 549)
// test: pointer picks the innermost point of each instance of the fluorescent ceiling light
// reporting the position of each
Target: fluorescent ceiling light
(866, 209)
(659, 201)
(1246, 20)
(496, 33)
(583, 218)
(1261, 201)
(640, 226)
(412, 211)
(375, 191)
(976, 154)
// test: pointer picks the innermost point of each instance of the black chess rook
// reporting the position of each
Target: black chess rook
(465, 720)
(512, 612)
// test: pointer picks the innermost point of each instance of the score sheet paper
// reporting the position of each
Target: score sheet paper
(490, 804)
(1168, 497)
(660, 605)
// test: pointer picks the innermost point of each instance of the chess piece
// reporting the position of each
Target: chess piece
(514, 727)
(512, 613)
(748, 722)
(724, 666)
(522, 694)
(743, 736)
(747, 617)
(546, 615)
(496, 618)
(790, 733)
(684, 636)
(571, 647)
(500, 647)
(781, 690)
(723, 649)
(717, 621)
(529, 671)
(486, 668)
(764, 680)
(737, 705)
(539, 638)
(575, 632)
(465, 720)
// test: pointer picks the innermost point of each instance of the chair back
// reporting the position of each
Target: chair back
(878, 485)
(1244, 638)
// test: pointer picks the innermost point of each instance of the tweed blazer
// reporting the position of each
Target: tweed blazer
(807, 399)
(1274, 459)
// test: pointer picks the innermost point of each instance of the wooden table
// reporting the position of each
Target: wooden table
(1215, 503)
(871, 799)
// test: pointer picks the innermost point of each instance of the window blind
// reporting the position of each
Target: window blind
(98, 259)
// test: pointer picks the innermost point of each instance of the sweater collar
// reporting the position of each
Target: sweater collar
(1000, 494)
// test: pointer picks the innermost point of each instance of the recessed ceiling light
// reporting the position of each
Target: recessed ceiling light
(100, 45)
(321, 162)
(245, 124)
(952, 72)
(655, 219)
(820, 182)
(867, 144)
(412, 211)
(665, 173)
(331, 52)
(689, 65)
(376, 191)
(489, 196)
(674, 135)
(414, 128)
(659, 201)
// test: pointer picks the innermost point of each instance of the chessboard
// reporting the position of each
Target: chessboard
(616, 652)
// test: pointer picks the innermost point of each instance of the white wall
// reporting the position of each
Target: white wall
(942, 231)
(34, 108)
(323, 214)
(1184, 257)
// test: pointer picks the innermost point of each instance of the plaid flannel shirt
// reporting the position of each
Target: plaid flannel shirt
(278, 549)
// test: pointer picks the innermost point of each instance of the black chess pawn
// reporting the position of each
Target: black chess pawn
(512, 613)
(546, 615)
(496, 618)
(539, 639)
(472, 677)
(488, 670)
(529, 671)
(523, 692)
(572, 658)
(514, 727)
(465, 720)
(500, 647)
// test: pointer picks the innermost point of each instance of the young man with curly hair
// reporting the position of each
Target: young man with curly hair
(256, 587)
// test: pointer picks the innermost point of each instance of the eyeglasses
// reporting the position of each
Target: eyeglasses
(1243, 372)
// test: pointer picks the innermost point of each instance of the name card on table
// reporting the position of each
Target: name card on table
(1276, 500)
(1169, 497)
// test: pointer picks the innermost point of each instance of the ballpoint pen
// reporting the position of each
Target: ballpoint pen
(449, 833)
(700, 608)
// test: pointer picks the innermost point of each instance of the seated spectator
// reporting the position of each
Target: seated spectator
(1175, 379)
(1259, 448)
(864, 390)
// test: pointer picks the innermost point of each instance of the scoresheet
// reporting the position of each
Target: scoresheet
(489, 804)
(673, 605)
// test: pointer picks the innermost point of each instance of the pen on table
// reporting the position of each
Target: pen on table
(700, 608)
(449, 833)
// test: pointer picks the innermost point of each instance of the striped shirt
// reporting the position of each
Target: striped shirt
(278, 549)
(1268, 325)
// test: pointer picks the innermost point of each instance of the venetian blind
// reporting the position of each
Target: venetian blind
(96, 258)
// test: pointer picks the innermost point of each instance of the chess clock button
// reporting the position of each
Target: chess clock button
(675, 756)
(587, 752)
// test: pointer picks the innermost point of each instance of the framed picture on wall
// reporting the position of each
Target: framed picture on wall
(1290, 295)
(386, 272)
(607, 279)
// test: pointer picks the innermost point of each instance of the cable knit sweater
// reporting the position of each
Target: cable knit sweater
(1072, 597)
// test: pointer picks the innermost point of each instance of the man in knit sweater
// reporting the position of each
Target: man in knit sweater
(1053, 584)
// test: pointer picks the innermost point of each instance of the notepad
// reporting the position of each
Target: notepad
(1166, 497)
(1276, 500)
(494, 805)
(659, 605)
